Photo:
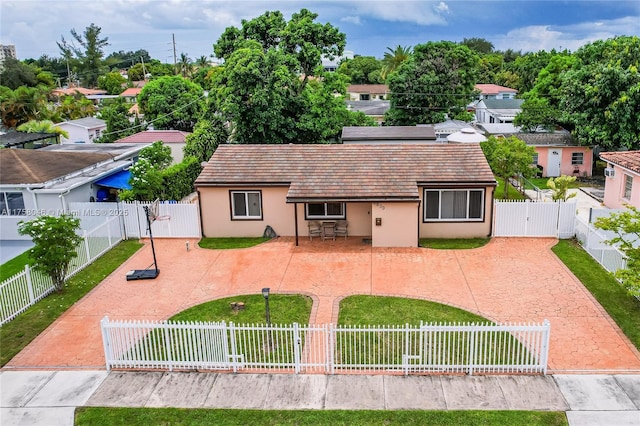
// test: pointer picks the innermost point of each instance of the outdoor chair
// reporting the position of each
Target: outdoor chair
(315, 230)
(328, 230)
(341, 228)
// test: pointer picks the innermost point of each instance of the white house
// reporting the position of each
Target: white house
(497, 110)
(35, 182)
(83, 130)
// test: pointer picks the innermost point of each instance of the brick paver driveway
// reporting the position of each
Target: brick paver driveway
(507, 280)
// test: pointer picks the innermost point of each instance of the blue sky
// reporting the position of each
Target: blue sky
(34, 26)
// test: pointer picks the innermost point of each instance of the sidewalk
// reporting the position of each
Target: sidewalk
(50, 397)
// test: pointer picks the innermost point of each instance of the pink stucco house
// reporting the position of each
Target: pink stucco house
(622, 181)
(391, 194)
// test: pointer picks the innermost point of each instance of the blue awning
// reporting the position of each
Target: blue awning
(119, 180)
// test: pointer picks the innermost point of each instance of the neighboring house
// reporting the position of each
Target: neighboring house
(390, 194)
(71, 91)
(331, 64)
(494, 91)
(374, 109)
(447, 128)
(367, 92)
(388, 135)
(559, 154)
(24, 140)
(497, 110)
(622, 182)
(174, 139)
(83, 130)
(35, 182)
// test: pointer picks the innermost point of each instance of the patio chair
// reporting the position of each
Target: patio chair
(315, 230)
(341, 228)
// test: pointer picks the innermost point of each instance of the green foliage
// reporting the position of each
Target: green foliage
(55, 241)
(206, 137)
(112, 82)
(89, 54)
(115, 113)
(172, 103)
(480, 45)
(527, 67)
(72, 107)
(158, 154)
(362, 70)
(230, 243)
(438, 78)
(23, 104)
(146, 182)
(15, 74)
(393, 58)
(124, 60)
(44, 126)
(626, 226)
(508, 157)
(136, 72)
(559, 187)
(178, 179)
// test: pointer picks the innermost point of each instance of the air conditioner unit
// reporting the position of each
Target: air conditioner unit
(609, 172)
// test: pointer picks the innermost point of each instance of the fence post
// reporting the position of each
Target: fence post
(234, 350)
(329, 349)
(472, 348)
(545, 345)
(407, 348)
(296, 347)
(106, 342)
(86, 245)
(27, 272)
(167, 344)
(109, 230)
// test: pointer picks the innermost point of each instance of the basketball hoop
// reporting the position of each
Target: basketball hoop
(154, 210)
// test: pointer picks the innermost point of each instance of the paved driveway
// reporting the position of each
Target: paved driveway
(509, 280)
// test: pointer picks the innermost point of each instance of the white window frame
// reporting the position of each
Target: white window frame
(245, 215)
(465, 219)
(535, 158)
(577, 158)
(627, 191)
(326, 215)
(5, 211)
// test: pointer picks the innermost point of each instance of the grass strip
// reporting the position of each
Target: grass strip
(453, 243)
(201, 416)
(230, 243)
(512, 193)
(614, 298)
(19, 332)
(13, 266)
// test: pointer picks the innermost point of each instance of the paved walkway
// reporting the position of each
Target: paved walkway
(49, 398)
(508, 280)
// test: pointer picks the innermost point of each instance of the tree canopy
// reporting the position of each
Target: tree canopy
(508, 157)
(89, 56)
(172, 103)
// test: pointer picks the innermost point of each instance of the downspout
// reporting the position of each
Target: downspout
(33, 195)
(64, 204)
(200, 213)
(295, 218)
(418, 221)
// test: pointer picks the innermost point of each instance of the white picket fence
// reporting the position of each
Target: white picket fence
(534, 219)
(177, 220)
(328, 349)
(29, 286)
(593, 242)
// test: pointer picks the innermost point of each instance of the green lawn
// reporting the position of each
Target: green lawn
(513, 193)
(196, 417)
(623, 308)
(453, 243)
(230, 243)
(19, 332)
(13, 266)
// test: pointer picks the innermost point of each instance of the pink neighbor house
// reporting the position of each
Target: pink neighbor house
(558, 154)
(622, 181)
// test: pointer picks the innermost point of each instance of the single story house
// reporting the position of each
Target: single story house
(367, 92)
(35, 182)
(374, 109)
(389, 194)
(388, 134)
(494, 91)
(83, 130)
(622, 182)
(174, 139)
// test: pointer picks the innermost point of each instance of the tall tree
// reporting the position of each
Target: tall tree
(118, 119)
(362, 70)
(208, 134)
(437, 79)
(14, 74)
(480, 45)
(72, 107)
(89, 55)
(172, 103)
(112, 82)
(23, 104)
(393, 58)
(185, 66)
(508, 157)
(44, 126)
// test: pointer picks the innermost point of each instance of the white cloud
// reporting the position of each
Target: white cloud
(442, 7)
(352, 20)
(417, 12)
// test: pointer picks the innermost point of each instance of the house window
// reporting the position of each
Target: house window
(11, 204)
(577, 158)
(453, 205)
(364, 97)
(534, 159)
(246, 205)
(325, 211)
(628, 184)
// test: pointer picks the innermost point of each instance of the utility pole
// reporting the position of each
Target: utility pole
(175, 62)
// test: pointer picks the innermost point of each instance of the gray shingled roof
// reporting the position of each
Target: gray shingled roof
(347, 172)
(363, 133)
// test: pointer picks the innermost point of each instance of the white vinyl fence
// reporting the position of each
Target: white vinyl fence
(534, 219)
(593, 242)
(29, 286)
(329, 349)
(177, 220)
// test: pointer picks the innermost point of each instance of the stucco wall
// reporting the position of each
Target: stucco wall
(398, 224)
(614, 190)
(566, 168)
(459, 229)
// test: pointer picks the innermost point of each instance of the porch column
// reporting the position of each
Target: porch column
(295, 218)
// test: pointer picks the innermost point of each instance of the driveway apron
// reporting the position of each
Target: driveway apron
(508, 280)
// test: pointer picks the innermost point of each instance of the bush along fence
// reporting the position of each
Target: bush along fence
(29, 286)
(329, 349)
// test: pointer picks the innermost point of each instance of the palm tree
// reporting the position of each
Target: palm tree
(393, 58)
(202, 62)
(44, 126)
(185, 65)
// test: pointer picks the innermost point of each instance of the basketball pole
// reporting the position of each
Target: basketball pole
(153, 249)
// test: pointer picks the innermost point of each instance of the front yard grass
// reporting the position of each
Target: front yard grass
(201, 416)
(230, 243)
(621, 306)
(512, 193)
(19, 332)
(453, 243)
(284, 308)
(13, 266)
